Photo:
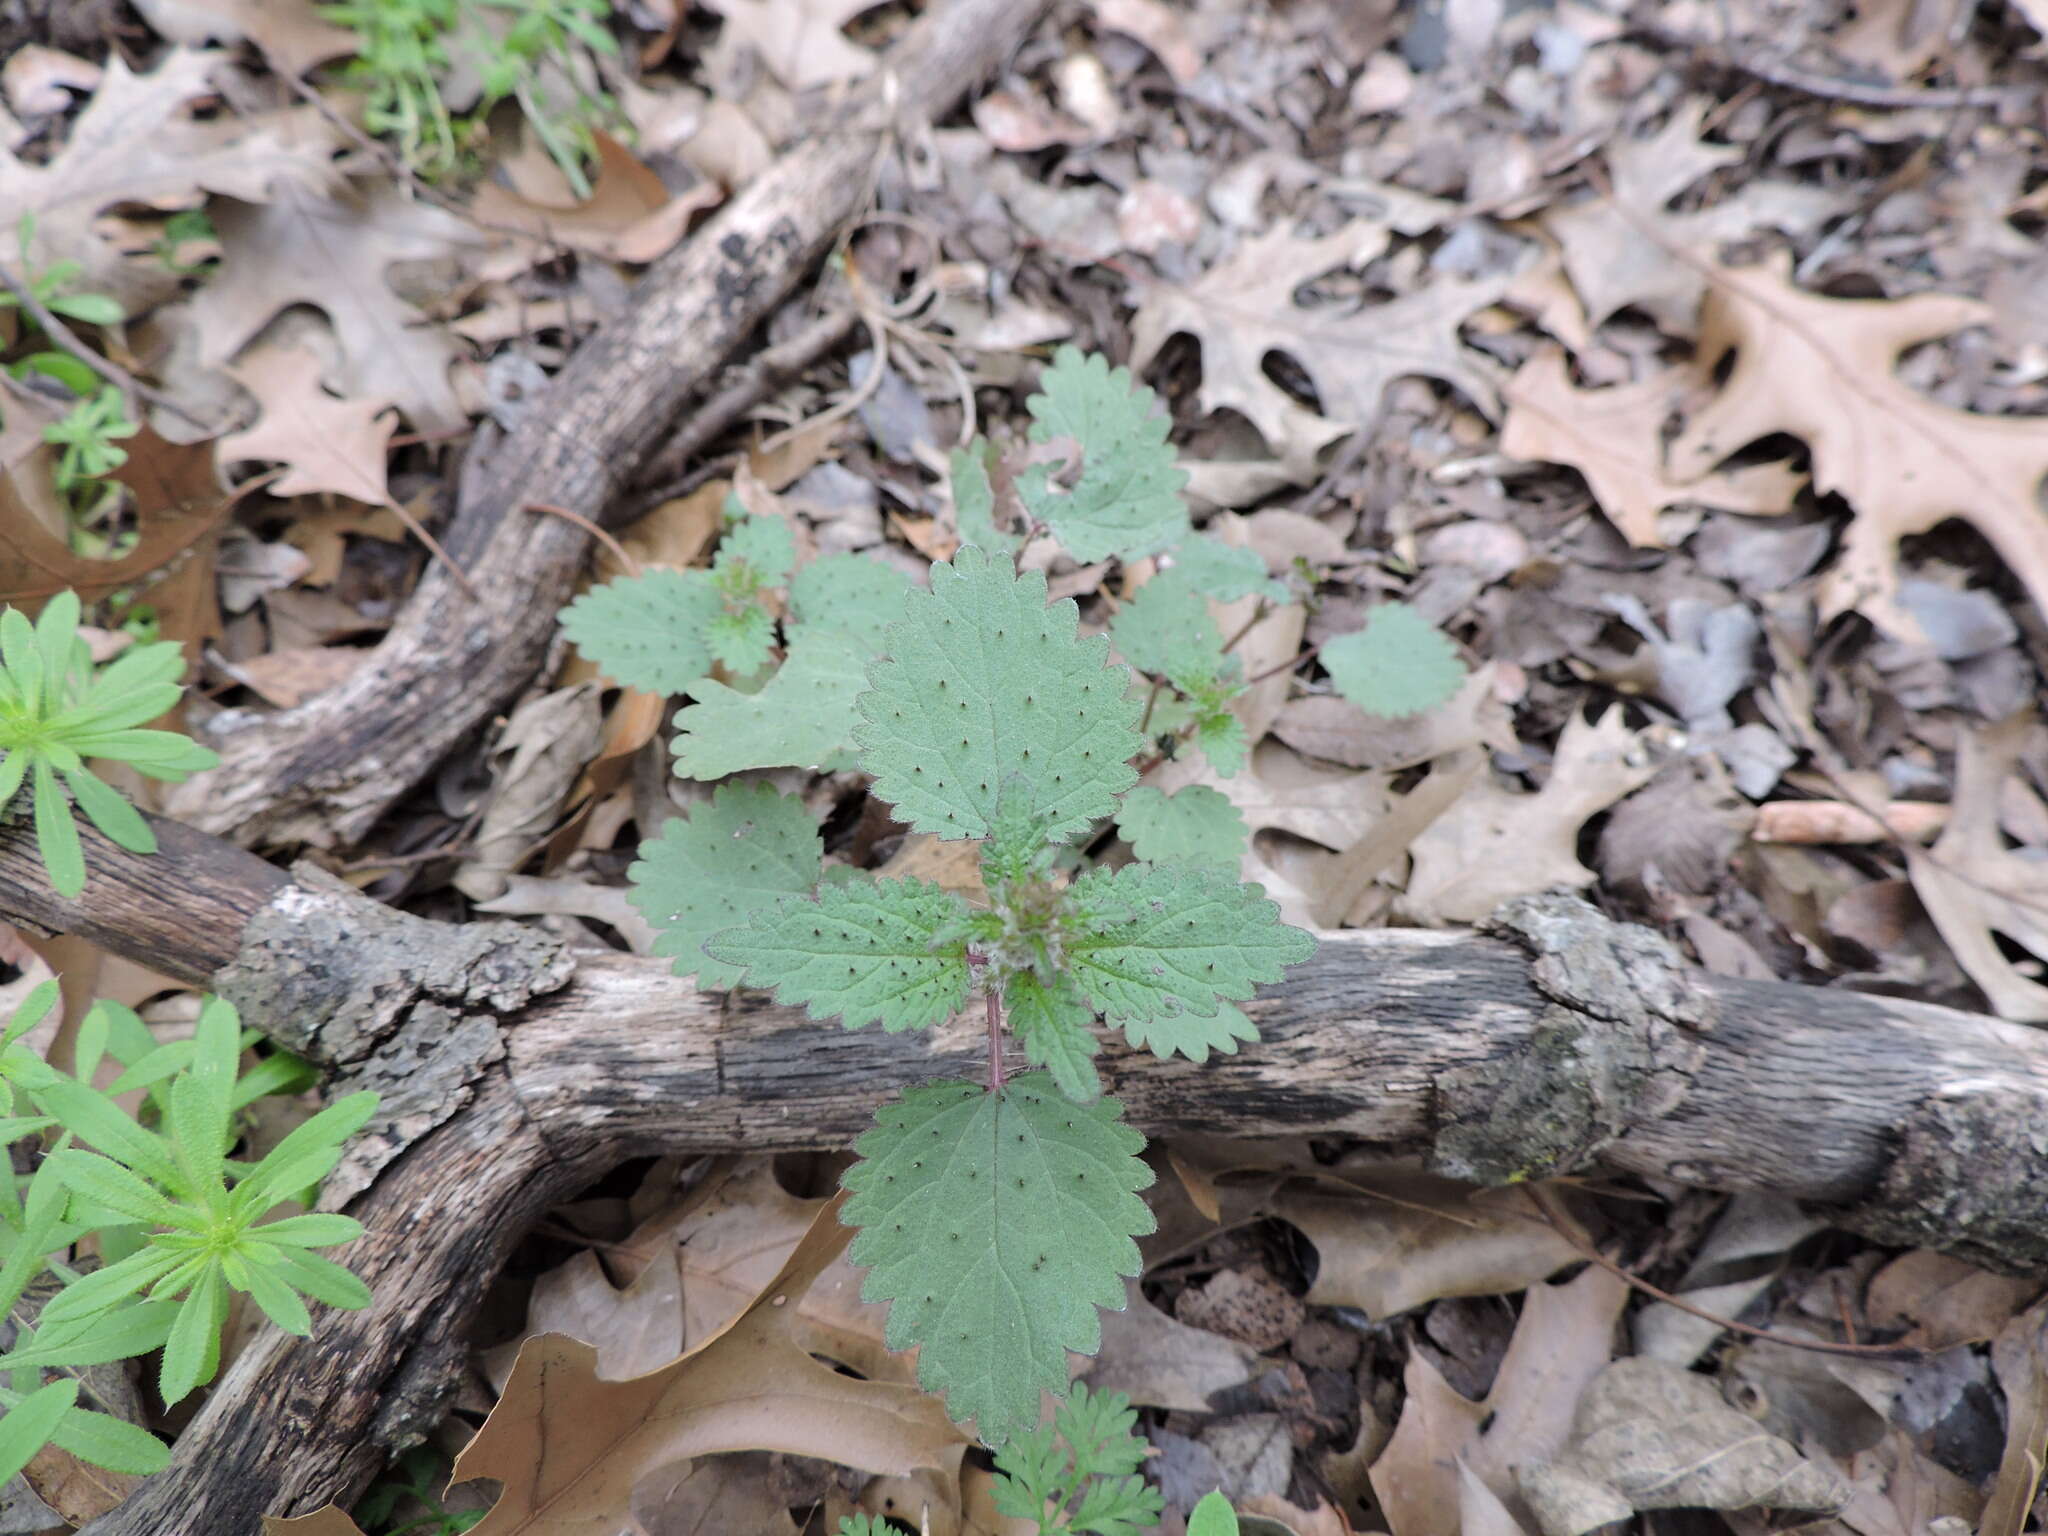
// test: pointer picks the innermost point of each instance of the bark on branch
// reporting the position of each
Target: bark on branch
(324, 772)
(516, 1072)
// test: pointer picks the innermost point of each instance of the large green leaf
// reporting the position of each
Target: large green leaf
(803, 718)
(647, 631)
(1127, 502)
(888, 952)
(1399, 664)
(719, 867)
(995, 1225)
(1160, 950)
(985, 683)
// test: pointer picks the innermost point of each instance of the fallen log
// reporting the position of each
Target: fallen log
(515, 1072)
(323, 773)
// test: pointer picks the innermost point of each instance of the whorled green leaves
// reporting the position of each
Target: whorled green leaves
(888, 952)
(995, 1225)
(985, 683)
(720, 866)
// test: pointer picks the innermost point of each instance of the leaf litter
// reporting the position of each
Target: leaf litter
(1697, 395)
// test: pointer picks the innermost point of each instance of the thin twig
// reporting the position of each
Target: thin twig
(1562, 1225)
(131, 387)
(624, 555)
(1284, 666)
(1880, 98)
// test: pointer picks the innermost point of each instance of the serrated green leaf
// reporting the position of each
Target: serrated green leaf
(1166, 630)
(1193, 1035)
(1127, 502)
(1196, 825)
(1399, 664)
(1220, 736)
(863, 952)
(854, 595)
(1055, 1024)
(1223, 571)
(719, 867)
(995, 1225)
(862, 1525)
(1159, 949)
(741, 639)
(756, 552)
(974, 499)
(984, 681)
(803, 718)
(647, 631)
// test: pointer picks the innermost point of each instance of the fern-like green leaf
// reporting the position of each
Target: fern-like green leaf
(647, 631)
(995, 1225)
(857, 596)
(1160, 949)
(984, 683)
(721, 866)
(888, 952)
(1399, 664)
(1196, 825)
(802, 718)
(1127, 502)
(1056, 1026)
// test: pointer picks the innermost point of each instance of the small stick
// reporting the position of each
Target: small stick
(619, 551)
(1832, 821)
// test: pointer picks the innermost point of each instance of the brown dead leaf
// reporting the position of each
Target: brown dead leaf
(1612, 262)
(325, 444)
(1496, 844)
(321, 533)
(333, 252)
(1161, 1362)
(711, 1496)
(634, 1330)
(629, 216)
(1822, 370)
(1159, 27)
(569, 1447)
(546, 746)
(1975, 888)
(1243, 308)
(1938, 1302)
(331, 1521)
(1018, 122)
(290, 33)
(1267, 1514)
(1562, 1341)
(2020, 1356)
(288, 678)
(1614, 437)
(800, 41)
(1335, 729)
(136, 142)
(1401, 1240)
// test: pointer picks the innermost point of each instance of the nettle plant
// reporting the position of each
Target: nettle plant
(995, 1215)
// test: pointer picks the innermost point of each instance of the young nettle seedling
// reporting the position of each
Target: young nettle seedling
(57, 709)
(995, 1215)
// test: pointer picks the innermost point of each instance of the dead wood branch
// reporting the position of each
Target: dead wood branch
(324, 772)
(515, 1072)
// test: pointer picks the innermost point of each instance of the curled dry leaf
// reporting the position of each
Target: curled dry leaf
(324, 444)
(629, 216)
(569, 1447)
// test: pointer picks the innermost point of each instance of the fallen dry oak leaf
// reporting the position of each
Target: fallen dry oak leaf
(1975, 888)
(1244, 307)
(1614, 266)
(137, 142)
(334, 252)
(629, 216)
(802, 42)
(1615, 438)
(324, 444)
(289, 33)
(1496, 844)
(569, 1447)
(1822, 370)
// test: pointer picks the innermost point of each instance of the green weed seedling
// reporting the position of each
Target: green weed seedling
(518, 50)
(418, 1476)
(177, 1224)
(57, 709)
(995, 1216)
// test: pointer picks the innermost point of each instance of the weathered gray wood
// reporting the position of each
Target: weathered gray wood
(323, 773)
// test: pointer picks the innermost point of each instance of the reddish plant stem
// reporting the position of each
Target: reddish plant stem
(995, 1026)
